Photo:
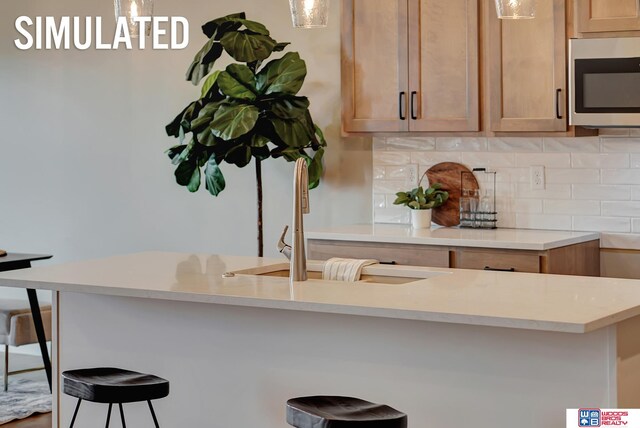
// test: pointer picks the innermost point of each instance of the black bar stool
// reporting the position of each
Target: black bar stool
(113, 386)
(342, 412)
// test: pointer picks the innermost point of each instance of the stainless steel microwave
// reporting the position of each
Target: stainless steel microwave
(605, 82)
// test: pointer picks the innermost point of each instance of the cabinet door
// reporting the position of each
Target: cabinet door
(374, 66)
(608, 15)
(527, 70)
(443, 65)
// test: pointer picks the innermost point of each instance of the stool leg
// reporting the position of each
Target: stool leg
(155, 420)
(5, 374)
(75, 413)
(109, 415)
(124, 425)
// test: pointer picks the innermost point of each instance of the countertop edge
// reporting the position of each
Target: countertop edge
(341, 309)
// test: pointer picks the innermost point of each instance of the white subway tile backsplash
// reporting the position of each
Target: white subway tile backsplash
(602, 224)
(621, 145)
(515, 145)
(551, 191)
(621, 176)
(543, 221)
(411, 144)
(601, 192)
(569, 176)
(600, 160)
(621, 209)
(407, 173)
(592, 183)
(572, 145)
(549, 160)
(428, 159)
(395, 215)
(390, 186)
(458, 144)
(488, 160)
(571, 207)
(378, 172)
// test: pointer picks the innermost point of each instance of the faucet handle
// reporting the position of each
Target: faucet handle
(283, 247)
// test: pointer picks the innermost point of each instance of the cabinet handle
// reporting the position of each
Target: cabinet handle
(558, 92)
(413, 103)
(389, 263)
(400, 103)
(499, 270)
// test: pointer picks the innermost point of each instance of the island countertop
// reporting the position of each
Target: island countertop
(515, 300)
(512, 239)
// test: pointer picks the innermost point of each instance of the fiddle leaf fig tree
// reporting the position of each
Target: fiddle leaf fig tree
(251, 110)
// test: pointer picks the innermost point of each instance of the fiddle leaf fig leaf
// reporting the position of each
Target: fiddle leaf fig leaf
(239, 82)
(188, 174)
(211, 27)
(281, 46)
(294, 133)
(289, 107)
(240, 155)
(246, 47)
(259, 141)
(254, 27)
(233, 121)
(214, 180)
(315, 169)
(285, 75)
(203, 61)
(209, 83)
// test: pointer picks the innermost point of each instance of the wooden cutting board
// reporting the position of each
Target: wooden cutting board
(449, 174)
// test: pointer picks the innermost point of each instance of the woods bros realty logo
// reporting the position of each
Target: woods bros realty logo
(588, 417)
(47, 32)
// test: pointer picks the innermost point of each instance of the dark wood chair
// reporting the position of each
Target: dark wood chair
(342, 412)
(113, 386)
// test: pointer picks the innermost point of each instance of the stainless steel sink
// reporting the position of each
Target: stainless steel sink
(376, 274)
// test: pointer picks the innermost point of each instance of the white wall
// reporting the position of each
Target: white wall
(82, 166)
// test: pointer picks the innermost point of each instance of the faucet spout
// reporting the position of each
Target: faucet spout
(298, 269)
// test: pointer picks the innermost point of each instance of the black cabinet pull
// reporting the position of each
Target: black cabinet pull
(400, 103)
(389, 263)
(558, 92)
(413, 103)
(499, 270)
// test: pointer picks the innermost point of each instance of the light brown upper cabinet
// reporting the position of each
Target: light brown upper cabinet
(597, 16)
(526, 70)
(410, 65)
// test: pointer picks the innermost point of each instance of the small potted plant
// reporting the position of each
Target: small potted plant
(420, 201)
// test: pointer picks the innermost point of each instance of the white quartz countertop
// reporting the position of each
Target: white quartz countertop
(516, 300)
(513, 239)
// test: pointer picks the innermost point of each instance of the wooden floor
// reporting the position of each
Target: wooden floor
(41, 421)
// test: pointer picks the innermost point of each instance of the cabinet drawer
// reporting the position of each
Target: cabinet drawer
(411, 255)
(497, 260)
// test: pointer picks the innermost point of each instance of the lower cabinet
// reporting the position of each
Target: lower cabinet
(579, 259)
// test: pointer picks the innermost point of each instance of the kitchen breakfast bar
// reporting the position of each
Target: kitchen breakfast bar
(450, 348)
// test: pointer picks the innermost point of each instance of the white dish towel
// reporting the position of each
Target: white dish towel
(348, 270)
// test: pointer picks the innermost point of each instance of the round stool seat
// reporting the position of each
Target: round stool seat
(111, 385)
(341, 412)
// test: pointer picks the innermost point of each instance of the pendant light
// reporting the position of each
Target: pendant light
(309, 13)
(516, 9)
(132, 9)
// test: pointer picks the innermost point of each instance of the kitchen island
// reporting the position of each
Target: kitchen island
(458, 348)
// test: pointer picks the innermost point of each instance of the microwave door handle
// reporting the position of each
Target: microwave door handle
(558, 92)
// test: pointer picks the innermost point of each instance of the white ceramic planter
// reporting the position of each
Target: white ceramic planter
(421, 219)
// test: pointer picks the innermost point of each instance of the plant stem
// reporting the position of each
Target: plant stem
(259, 188)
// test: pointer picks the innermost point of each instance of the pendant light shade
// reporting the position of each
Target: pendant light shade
(132, 9)
(309, 13)
(516, 9)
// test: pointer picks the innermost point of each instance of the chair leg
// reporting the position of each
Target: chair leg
(155, 420)
(5, 374)
(75, 413)
(122, 416)
(109, 414)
